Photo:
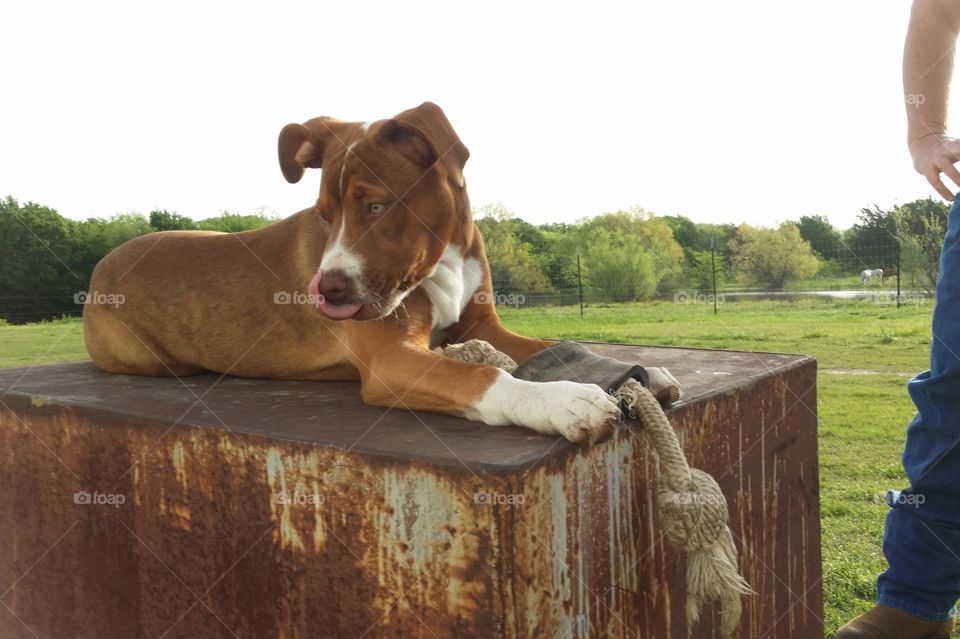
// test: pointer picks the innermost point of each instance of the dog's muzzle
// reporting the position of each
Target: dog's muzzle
(331, 293)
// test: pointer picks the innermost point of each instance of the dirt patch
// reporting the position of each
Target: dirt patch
(860, 371)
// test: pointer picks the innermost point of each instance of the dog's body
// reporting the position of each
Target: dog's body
(390, 240)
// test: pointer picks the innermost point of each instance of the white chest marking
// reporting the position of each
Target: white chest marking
(451, 286)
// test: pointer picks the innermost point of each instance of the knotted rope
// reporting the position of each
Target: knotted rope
(693, 510)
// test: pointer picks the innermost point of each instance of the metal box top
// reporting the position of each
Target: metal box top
(333, 414)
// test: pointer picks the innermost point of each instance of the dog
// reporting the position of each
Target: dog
(363, 285)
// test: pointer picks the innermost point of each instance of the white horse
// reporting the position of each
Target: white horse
(869, 274)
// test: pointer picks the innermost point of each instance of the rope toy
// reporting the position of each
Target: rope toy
(693, 509)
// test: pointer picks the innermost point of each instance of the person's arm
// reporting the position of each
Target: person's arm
(927, 69)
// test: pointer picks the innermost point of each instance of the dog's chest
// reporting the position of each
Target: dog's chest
(451, 286)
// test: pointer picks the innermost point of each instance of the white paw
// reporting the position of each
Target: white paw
(579, 412)
(663, 385)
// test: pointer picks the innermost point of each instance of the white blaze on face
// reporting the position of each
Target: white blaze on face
(340, 256)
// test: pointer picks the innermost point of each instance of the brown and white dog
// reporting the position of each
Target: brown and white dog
(386, 265)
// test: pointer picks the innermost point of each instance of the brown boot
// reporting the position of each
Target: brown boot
(884, 622)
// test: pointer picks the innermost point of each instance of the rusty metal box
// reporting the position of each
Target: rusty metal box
(214, 506)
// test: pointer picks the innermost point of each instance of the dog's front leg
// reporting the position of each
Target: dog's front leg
(411, 376)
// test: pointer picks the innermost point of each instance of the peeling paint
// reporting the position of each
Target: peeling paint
(398, 548)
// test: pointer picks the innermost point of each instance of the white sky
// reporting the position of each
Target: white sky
(720, 111)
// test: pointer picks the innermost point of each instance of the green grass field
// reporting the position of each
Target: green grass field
(866, 351)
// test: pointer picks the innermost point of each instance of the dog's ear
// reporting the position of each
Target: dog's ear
(303, 146)
(297, 152)
(428, 138)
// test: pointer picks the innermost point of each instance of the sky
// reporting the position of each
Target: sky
(734, 112)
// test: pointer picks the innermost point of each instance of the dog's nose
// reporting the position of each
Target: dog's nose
(335, 286)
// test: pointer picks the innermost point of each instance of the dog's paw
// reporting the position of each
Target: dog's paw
(663, 385)
(579, 412)
(582, 413)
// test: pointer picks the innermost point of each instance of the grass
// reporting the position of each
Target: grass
(41, 343)
(840, 334)
(862, 416)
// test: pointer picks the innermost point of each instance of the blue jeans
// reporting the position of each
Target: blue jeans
(922, 537)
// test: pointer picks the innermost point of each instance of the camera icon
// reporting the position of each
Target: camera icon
(681, 297)
(81, 297)
(482, 297)
(82, 497)
(281, 297)
(481, 498)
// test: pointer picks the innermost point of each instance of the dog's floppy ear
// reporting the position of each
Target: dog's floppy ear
(297, 152)
(303, 146)
(443, 145)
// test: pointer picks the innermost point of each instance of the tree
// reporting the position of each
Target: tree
(699, 239)
(619, 268)
(703, 267)
(162, 220)
(514, 268)
(687, 234)
(872, 241)
(772, 257)
(228, 222)
(37, 276)
(824, 239)
(637, 230)
(921, 226)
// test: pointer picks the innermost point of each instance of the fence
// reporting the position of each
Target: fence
(579, 281)
(886, 272)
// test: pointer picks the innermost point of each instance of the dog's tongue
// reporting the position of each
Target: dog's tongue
(333, 311)
(338, 311)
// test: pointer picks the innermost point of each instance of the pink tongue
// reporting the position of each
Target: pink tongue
(338, 311)
(333, 311)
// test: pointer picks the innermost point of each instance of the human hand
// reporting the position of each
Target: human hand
(934, 154)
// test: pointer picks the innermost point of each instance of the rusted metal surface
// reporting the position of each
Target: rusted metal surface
(241, 508)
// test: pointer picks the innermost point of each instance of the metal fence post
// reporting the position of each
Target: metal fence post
(580, 284)
(713, 267)
(898, 270)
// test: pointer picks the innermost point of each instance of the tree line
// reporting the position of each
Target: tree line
(635, 255)
(46, 259)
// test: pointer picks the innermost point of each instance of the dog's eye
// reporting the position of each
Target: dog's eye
(375, 208)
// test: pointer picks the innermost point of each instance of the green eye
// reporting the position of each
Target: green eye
(376, 208)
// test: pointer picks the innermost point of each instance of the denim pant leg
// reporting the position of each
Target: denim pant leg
(922, 537)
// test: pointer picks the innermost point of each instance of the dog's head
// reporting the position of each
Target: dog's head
(392, 198)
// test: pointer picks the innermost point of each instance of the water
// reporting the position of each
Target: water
(789, 296)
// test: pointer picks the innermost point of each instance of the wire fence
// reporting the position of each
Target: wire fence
(886, 273)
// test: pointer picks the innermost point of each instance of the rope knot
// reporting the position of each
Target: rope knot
(693, 519)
